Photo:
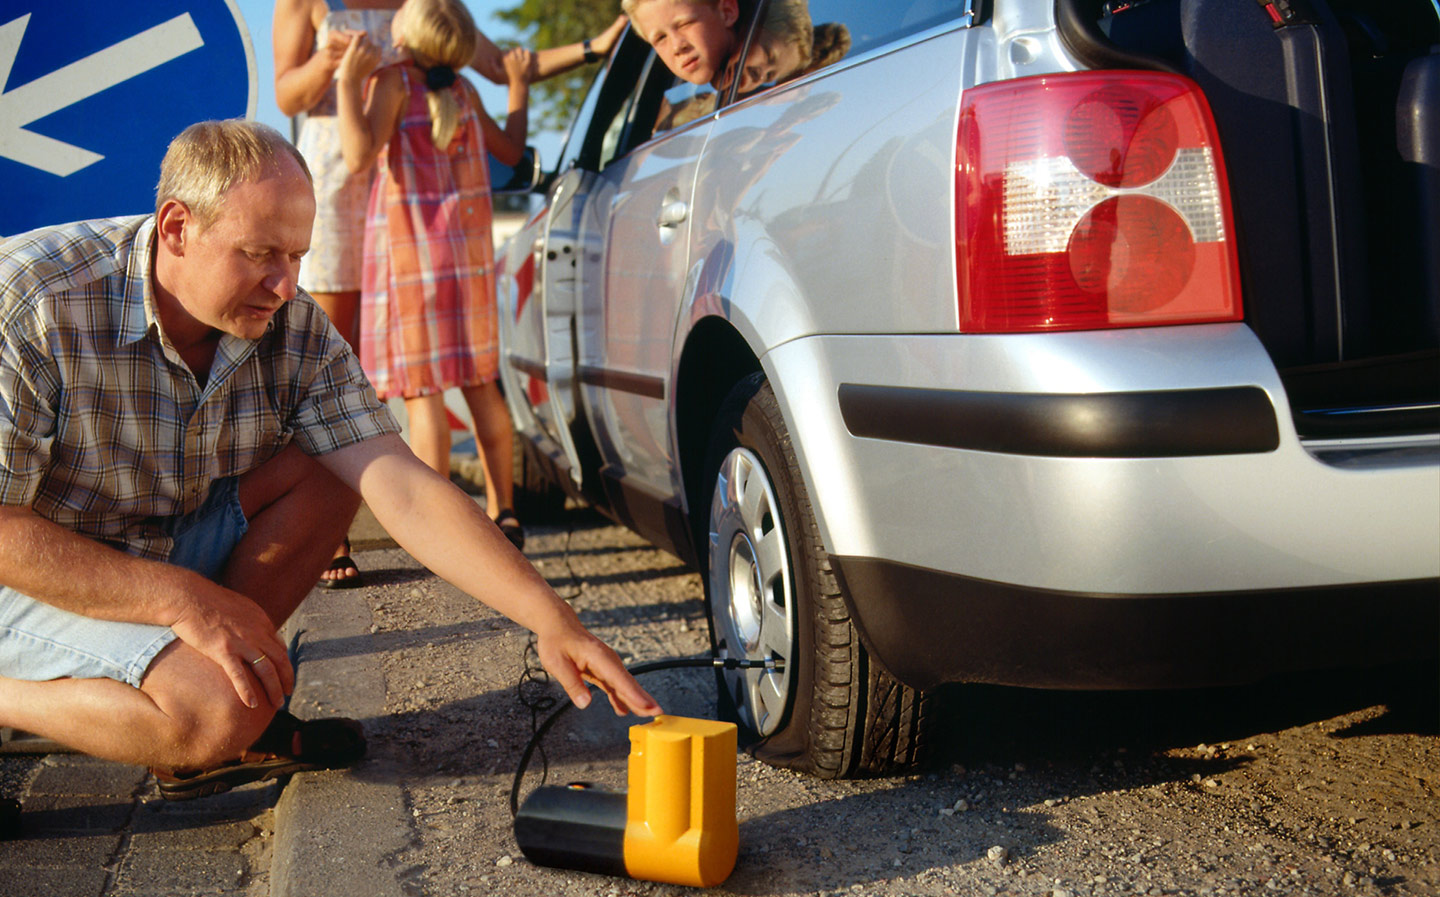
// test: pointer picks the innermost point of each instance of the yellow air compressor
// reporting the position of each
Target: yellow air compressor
(675, 824)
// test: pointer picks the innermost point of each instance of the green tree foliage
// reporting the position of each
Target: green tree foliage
(554, 23)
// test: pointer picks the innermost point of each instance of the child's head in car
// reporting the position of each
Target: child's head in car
(694, 38)
(782, 48)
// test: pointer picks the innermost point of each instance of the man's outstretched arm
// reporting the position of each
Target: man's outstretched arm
(445, 530)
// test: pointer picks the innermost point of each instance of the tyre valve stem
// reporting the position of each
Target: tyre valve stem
(735, 663)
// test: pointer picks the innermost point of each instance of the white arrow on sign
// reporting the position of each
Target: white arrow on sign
(75, 82)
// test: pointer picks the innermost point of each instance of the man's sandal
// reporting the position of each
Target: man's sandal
(510, 528)
(287, 746)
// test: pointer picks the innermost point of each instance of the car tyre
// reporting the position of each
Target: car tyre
(771, 594)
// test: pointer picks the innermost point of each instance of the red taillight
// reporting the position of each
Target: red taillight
(1090, 200)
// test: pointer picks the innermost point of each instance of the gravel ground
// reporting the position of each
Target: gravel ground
(1321, 784)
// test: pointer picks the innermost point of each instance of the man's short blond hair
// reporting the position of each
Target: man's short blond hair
(210, 157)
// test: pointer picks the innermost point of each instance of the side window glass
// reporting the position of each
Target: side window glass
(704, 53)
(601, 129)
(796, 37)
(683, 103)
(782, 47)
(613, 140)
(575, 138)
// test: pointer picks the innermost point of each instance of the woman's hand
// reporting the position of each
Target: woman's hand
(334, 49)
(604, 42)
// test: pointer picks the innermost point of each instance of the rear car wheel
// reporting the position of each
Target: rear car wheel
(771, 595)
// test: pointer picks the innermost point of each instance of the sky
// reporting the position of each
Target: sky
(257, 15)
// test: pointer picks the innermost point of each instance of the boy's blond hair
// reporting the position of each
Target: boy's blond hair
(440, 33)
(209, 157)
(629, 7)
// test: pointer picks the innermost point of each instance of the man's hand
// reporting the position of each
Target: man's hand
(574, 657)
(77, 574)
(236, 634)
(446, 531)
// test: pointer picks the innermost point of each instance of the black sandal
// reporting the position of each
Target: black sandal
(510, 528)
(321, 744)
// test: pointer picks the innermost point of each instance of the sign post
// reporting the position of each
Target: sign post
(92, 92)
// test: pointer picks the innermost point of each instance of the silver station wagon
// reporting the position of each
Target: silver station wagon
(1037, 342)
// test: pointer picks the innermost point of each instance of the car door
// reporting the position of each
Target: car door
(546, 285)
(635, 290)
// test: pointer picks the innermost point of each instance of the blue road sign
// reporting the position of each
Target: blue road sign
(92, 91)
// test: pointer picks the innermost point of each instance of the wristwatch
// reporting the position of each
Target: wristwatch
(590, 54)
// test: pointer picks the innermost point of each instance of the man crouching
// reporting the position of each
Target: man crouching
(183, 439)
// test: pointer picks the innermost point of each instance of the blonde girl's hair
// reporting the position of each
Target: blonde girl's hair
(210, 157)
(440, 33)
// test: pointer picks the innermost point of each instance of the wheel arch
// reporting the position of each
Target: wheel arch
(715, 358)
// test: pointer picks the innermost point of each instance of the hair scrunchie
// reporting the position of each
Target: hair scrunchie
(439, 77)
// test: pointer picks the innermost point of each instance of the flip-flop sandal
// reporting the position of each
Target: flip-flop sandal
(510, 528)
(321, 744)
(343, 562)
(9, 819)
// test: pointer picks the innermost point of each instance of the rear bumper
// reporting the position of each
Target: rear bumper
(1143, 462)
(928, 627)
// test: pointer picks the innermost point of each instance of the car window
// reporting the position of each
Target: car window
(790, 38)
(796, 37)
(616, 137)
(605, 118)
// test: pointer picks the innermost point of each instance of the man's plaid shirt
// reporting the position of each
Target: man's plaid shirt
(104, 430)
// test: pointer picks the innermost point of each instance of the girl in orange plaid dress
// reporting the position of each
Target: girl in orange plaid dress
(427, 301)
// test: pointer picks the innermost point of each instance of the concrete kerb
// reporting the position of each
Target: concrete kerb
(335, 829)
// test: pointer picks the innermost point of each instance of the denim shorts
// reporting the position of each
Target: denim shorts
(40, 642)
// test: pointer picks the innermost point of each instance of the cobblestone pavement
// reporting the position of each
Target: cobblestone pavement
(99, 829)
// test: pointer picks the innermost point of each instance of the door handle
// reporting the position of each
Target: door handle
(673, 212)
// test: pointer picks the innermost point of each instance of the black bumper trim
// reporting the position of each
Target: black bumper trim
(928, 627)
(1162, 424)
